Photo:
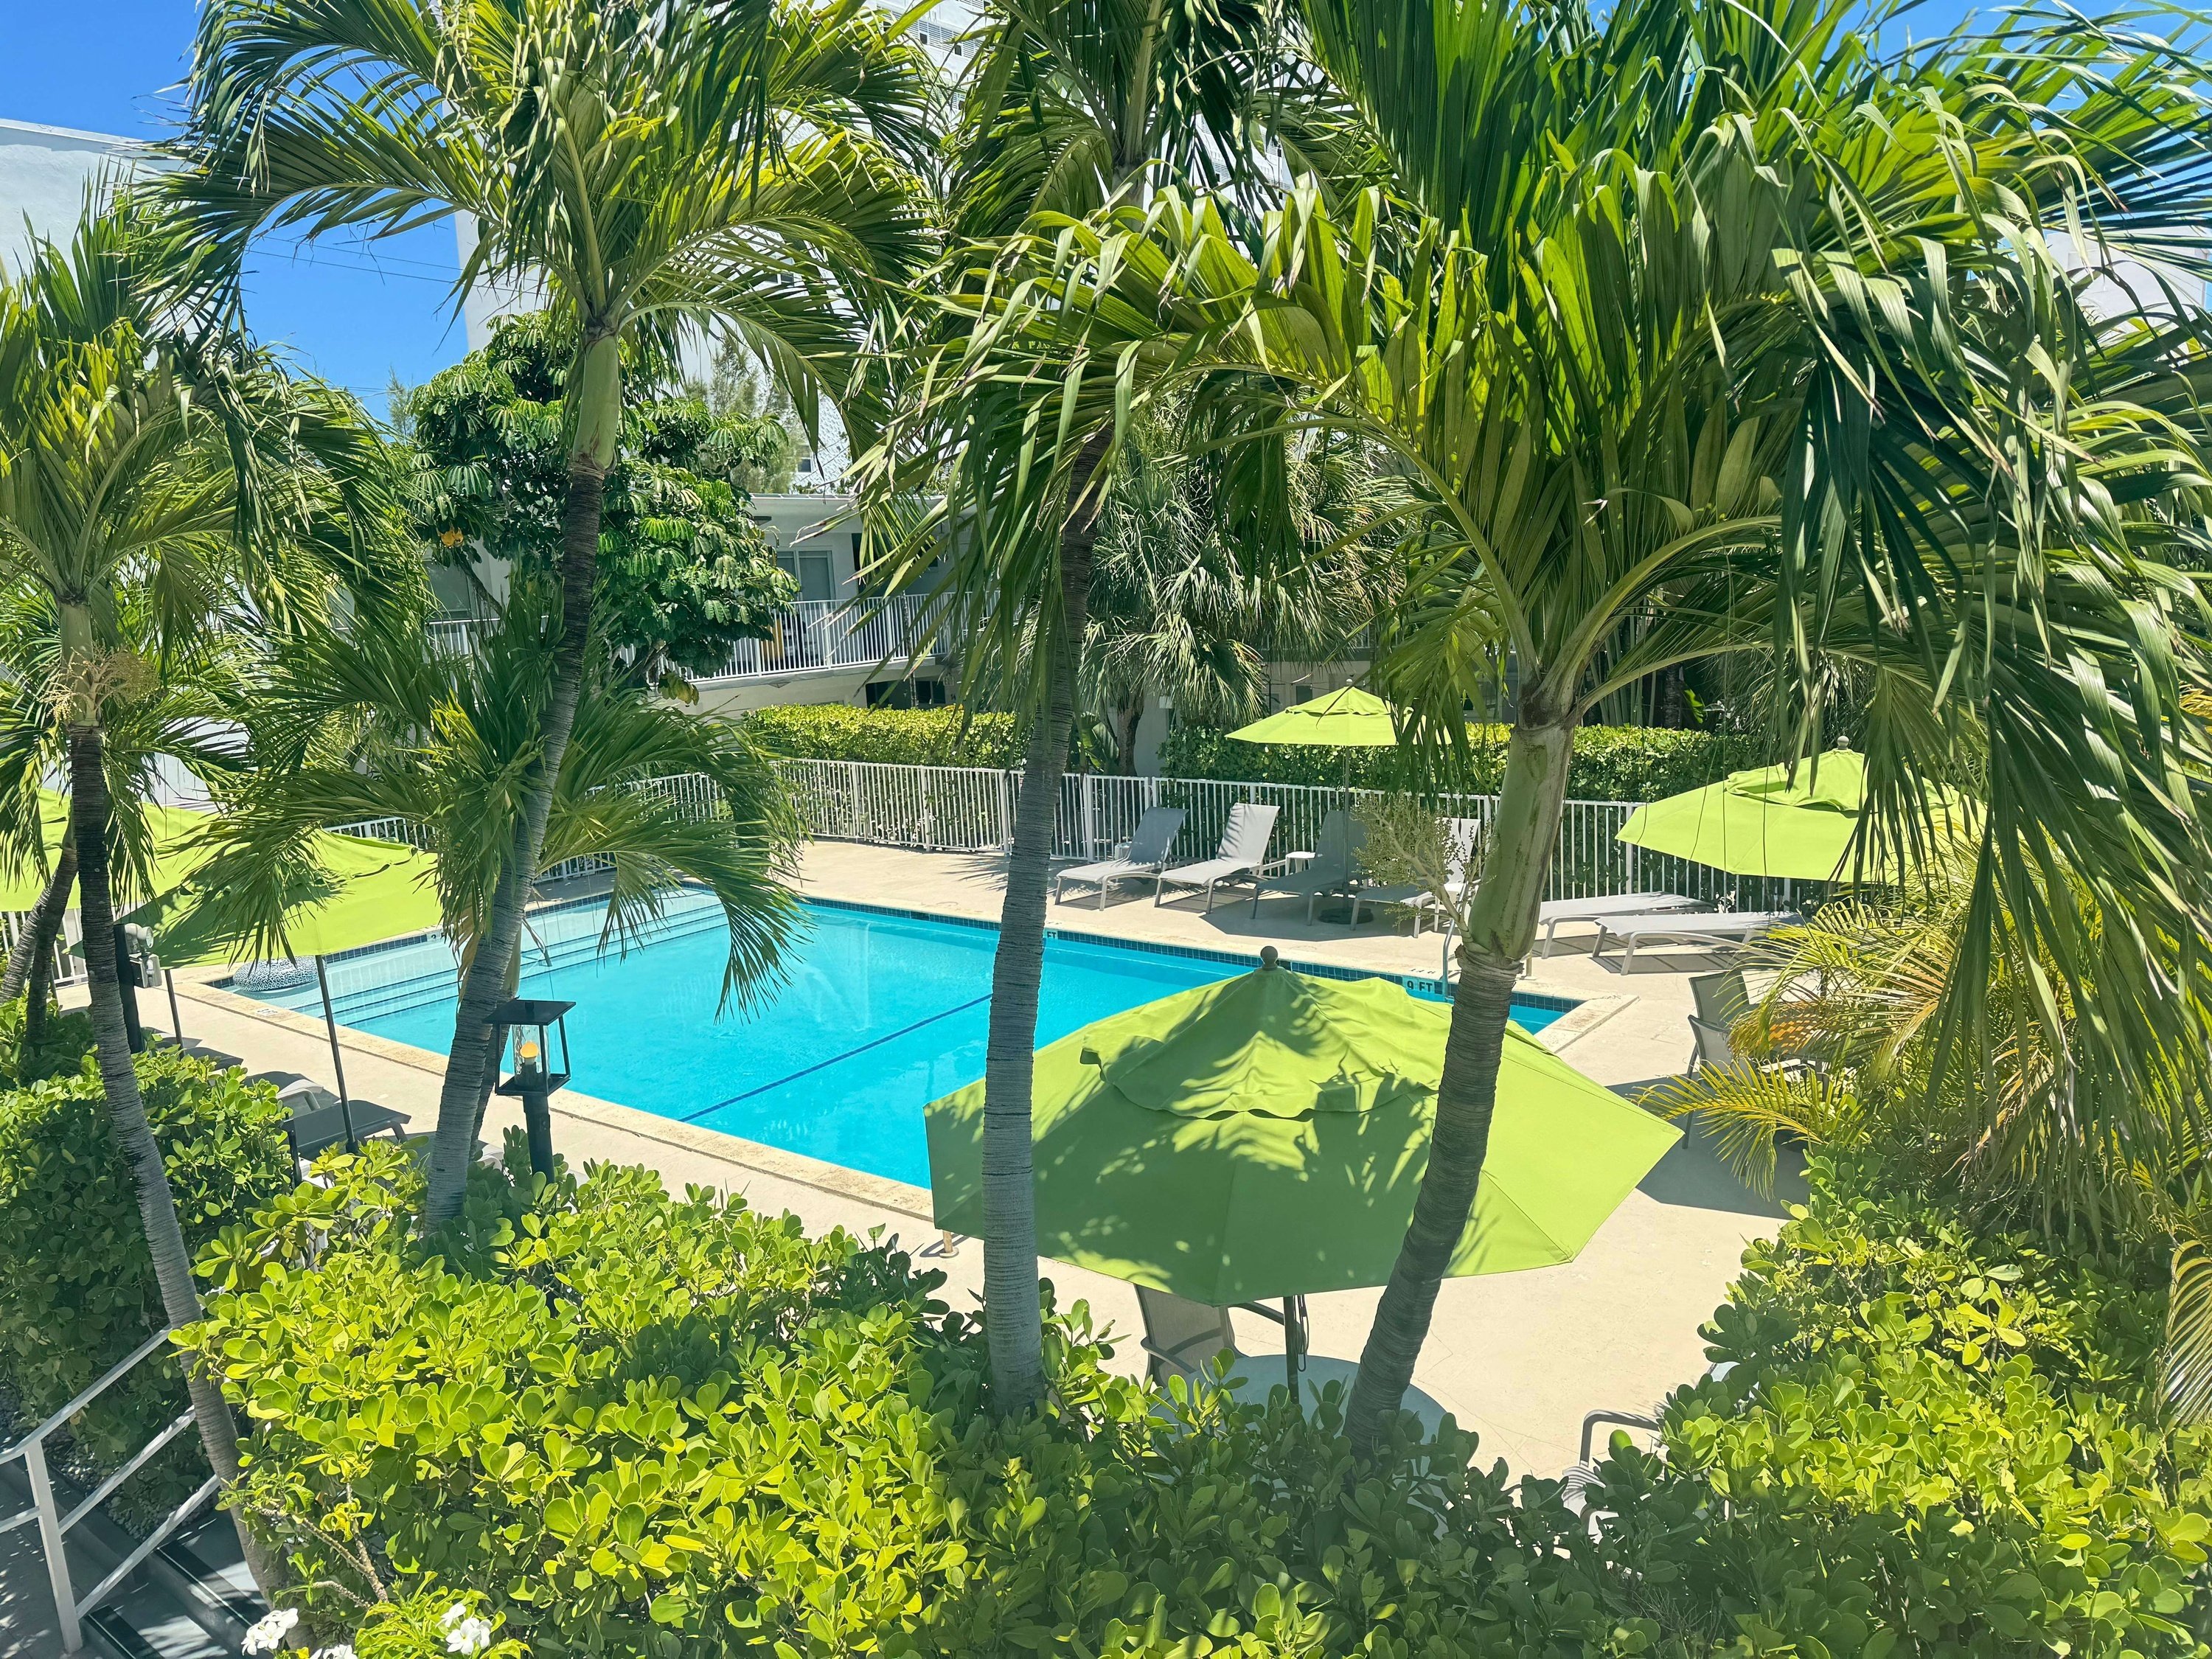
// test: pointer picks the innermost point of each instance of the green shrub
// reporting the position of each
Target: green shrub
(62, 1047)
(637, 1424)
(1611, 763)
(893, 737)
(1932, 1440)
(76, 1284)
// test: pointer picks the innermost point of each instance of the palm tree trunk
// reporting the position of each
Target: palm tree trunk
(1500, 931)
(126, 1111)
(596, 383)
(37, 940)
(1013, 1318)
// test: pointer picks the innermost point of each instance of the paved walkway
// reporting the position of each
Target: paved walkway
(1520, 1357)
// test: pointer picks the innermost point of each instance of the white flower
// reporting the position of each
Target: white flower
(344, 1650)
(268, 1634)
(454, 1614)
(468, 1636)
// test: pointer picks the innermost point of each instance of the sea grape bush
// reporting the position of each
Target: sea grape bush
(630, 1422)
(644, 1424)
(76, 1284)
(890, 737)
(1926, 1439)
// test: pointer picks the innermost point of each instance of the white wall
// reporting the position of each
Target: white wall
(44, 174)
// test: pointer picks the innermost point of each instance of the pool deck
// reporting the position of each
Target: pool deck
(1520, 1357)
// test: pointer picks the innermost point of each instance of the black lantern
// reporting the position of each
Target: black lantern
(534, 1025)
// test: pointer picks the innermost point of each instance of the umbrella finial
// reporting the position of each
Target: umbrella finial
(1269, 957)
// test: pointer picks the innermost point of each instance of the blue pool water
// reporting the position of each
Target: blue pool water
(878, 1015)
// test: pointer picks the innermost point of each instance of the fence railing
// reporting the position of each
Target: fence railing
(815, 636)
(69, 1608)
(971, 809)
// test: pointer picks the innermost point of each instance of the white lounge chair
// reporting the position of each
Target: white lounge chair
(1552, 912)
(1696, 927)
(1243, 854)
(1145, 853)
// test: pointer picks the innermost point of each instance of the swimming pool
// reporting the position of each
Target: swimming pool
(878, 1013)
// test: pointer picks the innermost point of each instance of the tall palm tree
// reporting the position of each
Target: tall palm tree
(1069, 109)
(143, 451)
(370, 725)
(652, 170)
(1702, 310)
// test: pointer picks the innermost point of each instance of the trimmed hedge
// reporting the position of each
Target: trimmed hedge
(608, 1420)
(76, 1284)
(1611, 763)
(890, 737)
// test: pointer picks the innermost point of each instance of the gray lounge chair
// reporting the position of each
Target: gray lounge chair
(1331, 872)
(1145, 853)
(1698, 927)
(324, 1126)
(1243, 855)
(1466, 836)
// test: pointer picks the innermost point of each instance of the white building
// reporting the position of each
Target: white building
(45, 173)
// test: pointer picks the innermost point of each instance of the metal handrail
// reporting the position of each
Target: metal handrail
(54, 1527)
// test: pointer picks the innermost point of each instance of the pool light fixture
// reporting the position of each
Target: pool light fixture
(535, 1022)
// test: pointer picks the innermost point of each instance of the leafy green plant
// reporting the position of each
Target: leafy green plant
(1610, 762)
(638, 1423)
(76, 1284)
(1932, 1436)
(60, 1045)
(890, 737)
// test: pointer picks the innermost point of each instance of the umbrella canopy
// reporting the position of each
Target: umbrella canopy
(1765, 823)
(177, 852)
(381, 889)
(1266, 1136)
(1346, 719)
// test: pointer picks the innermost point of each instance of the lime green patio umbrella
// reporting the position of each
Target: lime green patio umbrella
(1765, 823)
(1344, 719)
(1265, 1137)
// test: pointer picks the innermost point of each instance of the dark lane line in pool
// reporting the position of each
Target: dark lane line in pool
(873, 1043)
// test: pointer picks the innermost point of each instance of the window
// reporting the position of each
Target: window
(817, 579)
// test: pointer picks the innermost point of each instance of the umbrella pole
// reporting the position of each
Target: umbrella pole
(337, 1061)
(176, 1019)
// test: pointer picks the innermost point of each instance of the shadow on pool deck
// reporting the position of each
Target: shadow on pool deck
(1693, 1174)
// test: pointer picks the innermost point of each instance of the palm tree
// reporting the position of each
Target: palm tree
(1068, 109)
(379, 725)
(1176, 608)
(653, 171)
(1703, 313)
(142, 450)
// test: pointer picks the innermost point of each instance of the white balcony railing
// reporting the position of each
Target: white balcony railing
(817, 636)
(811, 636)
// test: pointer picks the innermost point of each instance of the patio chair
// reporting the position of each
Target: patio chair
(1331, 872)
(1722, 998)
(1464, 836)
(1713, 927)
(1243, 854)
(1181, 1337)
(1145, 853)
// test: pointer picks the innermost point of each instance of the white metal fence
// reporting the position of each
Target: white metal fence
(971, 809)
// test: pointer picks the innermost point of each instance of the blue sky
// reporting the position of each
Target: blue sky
(354, 315)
